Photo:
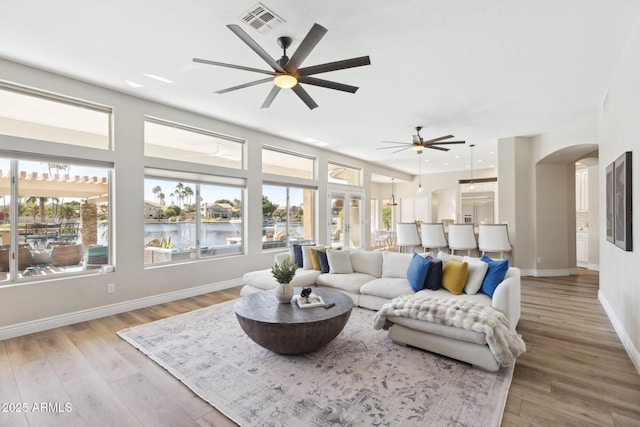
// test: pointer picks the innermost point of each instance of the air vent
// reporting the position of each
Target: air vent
(261, 18)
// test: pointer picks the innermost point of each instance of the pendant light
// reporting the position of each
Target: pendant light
(419, 172)
(393, 197)
(471, 185)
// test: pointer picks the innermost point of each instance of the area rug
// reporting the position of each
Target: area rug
(360, 378)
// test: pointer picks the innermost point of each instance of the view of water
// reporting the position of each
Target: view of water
(183, 234)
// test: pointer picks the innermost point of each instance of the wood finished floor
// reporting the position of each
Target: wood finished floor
(575, 371)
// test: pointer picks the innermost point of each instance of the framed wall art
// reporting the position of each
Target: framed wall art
(622, 228)
(609, 201)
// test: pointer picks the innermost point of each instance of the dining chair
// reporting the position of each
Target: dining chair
(494, 238)
(432, 236)
(380, 238)
(462, 237)
(35, 232)
(407, 235)
(68, 231)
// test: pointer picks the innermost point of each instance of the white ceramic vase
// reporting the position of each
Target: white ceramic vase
(284, 293)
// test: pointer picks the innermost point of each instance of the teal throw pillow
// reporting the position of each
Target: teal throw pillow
(495, 274)
(417, 272)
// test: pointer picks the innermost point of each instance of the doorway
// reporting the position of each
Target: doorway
(346, 219)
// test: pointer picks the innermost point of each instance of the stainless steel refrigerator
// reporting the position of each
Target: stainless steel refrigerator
(476, 207)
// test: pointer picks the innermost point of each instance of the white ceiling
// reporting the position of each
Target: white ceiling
(480, 70)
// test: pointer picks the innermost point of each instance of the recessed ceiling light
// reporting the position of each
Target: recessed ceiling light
(446, 164)
(457, 156)
(159, 78)
(133, 84)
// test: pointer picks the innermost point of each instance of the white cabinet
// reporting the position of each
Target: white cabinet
(582, 190)
(582, 249)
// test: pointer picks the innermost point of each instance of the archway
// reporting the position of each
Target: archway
(556, 206)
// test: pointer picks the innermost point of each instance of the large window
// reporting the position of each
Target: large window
(343, 174)
(59, 218)
(278, 162)
(288, 215)
(188, 219)
(36, 115)
(174, 141)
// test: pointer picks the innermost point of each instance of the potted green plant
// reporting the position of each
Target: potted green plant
(283, 274)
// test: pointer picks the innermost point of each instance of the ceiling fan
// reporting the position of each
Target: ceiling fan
(287, 73)
(418, 144)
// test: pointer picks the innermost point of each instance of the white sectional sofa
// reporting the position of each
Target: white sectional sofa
(377, 277)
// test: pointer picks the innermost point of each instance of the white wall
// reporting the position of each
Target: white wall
(619, 131)
(32, 306)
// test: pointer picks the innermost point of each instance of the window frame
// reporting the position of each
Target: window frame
(14, 275)
(199, 131)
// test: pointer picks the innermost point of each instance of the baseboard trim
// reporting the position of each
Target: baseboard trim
(634, 353)
(38, 325)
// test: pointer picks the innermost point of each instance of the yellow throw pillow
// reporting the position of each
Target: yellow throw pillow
(314, 257)
(454, 276)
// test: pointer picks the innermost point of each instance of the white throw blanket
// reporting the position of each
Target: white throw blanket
(504, 343)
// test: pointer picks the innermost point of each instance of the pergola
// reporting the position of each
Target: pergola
(93, 189)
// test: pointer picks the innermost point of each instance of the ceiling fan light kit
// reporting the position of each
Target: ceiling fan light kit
(285, 81)
(287, 73)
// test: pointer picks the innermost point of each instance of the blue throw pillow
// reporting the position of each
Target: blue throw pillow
(495, 274)
(417, 272)
(324, 261)
(434, 274)
(297, 255)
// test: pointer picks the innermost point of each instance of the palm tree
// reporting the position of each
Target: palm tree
(188, 192)
(161, 198)
(58, 167)
(179, 192)
(155, 190)
(41, 201)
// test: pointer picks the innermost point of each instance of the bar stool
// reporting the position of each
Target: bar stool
(494, 238)
(432, 236)
(407, 235)
(462, 237)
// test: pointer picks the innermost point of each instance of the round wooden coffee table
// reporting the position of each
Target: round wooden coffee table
(289, 329)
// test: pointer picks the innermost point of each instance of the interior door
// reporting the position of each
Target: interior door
(346, 219)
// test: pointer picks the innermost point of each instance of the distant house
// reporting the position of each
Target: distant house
(219, 211)
(153, 210)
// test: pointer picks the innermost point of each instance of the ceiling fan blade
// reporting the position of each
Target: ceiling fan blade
(306, 98)
(447, 142)
(328, 84)
(255, 47)
(334, 66)
(272, 95)
(438, 139)
(237, 67)
(242, 86)
(435, 147)
(315, 34)
(402, 149)
(387, 148)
